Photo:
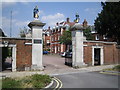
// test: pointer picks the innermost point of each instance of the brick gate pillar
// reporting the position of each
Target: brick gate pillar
(77, 45)
(37, 44)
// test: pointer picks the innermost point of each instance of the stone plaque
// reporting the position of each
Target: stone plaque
(37, 41)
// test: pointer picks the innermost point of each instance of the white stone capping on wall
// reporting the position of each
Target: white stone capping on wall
(101, 42)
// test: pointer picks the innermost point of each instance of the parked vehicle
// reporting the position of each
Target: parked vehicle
(68, 58)
(45, 52)
(63, 54)
(68, 54)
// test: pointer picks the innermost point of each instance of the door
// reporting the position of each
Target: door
(97, 56)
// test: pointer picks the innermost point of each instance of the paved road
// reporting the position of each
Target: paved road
(89, 80)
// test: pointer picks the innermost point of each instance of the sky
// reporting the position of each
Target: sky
(50, 13)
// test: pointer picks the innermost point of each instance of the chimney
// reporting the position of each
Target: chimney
(57, 23)
(49, 28)
(68, 20)
(85, 23)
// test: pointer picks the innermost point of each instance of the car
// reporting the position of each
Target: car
(68, 55)
(63, 54)
(45, 52)
(68, 58)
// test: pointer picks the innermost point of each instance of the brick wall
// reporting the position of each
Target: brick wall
(110, 52)
(23, 52)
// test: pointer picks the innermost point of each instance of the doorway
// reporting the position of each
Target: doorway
(6, 59)
(97, 55)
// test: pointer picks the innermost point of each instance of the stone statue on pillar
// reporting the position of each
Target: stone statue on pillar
(77, 18)
(77, 44)
(37, 42)
(36, 12)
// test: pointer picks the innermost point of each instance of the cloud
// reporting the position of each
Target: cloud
(91, 10)
(16, 25)
(51, 20)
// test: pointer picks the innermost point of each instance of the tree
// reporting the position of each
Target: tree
(66, 38)
(87, 33)
(108, 21)
(23, 32)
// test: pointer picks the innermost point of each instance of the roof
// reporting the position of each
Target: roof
(2, 33)
(69, 23)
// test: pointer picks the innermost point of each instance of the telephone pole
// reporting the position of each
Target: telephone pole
(11, 24)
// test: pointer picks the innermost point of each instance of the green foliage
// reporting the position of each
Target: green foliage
(87, 33)
(34, 81)
(66, 38)
(10, 83)
(117, 68)
(108, 21)
(40, 81)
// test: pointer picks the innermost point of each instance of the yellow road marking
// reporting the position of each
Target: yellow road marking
(57, 83)
(110, 73)
(60, 82)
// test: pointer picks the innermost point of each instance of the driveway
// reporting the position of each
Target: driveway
(54, 63)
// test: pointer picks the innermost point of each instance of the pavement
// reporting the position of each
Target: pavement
(55, 71)
(54, 65)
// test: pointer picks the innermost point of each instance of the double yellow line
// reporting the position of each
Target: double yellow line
(109, 73)
(59, 83)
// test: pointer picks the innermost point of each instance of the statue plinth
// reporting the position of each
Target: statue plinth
(36, 23)
(77, 26)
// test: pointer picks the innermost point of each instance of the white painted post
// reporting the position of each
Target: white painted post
(37, 44)
(14, 58)
(102, 56)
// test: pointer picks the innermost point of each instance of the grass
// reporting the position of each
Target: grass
(115, 68)
(34, 81)
(10, 83)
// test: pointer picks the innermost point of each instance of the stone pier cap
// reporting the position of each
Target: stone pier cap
(77, 26)
(36, 23)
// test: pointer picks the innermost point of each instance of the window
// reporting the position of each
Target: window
(58, 37)
(48, 41)
(104, 37)
(97, 37)
(52, 38)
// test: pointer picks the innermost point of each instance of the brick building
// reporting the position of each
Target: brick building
(21, 51)
(100, 52)
(54, 36)
(98, 37)
(46, 39)
(95, 52)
